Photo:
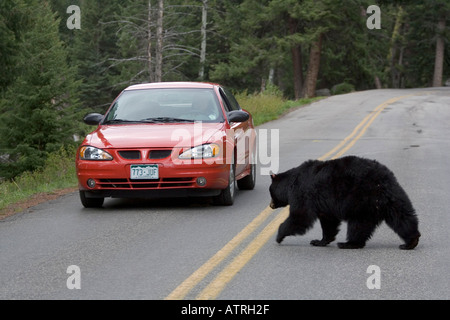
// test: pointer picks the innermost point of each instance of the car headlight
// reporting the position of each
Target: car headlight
(92, 153)
(201, 152)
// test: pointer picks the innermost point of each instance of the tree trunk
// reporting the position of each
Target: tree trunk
(377, 83)
(313, 68)
(201, 73)
(159, 42)
(271, 76)
(400, 80)
(439, 58)
(396, 34)
(296, 61)
(149, 43)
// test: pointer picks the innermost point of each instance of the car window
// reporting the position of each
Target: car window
(163, 104)
(230, 100)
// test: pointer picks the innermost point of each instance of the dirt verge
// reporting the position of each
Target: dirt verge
(33, 201)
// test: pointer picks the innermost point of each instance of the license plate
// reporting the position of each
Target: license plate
(148, 171)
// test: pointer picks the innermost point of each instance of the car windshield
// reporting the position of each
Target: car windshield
(165, 105)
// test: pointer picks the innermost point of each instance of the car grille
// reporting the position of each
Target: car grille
(162, 183)
(130, 154)
(159, 154)
(136, 154)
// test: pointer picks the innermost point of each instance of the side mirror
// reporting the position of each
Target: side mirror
(93, 119)
(238, 116)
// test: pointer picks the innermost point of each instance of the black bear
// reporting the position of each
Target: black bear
(360, 191)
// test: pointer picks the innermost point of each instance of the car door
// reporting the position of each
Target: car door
(240, 131)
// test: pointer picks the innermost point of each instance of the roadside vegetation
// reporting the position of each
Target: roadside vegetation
(57, 173)
(269, 105)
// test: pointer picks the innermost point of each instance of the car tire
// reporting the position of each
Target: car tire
(248, 182)
(91, 202)
(226, 197)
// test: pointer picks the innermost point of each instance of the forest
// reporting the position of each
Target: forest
(61, 59)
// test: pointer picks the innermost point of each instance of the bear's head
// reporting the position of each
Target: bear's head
(277, 192)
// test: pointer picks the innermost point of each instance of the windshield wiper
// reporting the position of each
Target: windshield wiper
(119, 121)
(148, 120)
(166, 119)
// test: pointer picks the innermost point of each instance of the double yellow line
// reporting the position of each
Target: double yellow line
(213, 289)
(359, 130)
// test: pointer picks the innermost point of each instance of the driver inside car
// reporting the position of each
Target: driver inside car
(203, 108)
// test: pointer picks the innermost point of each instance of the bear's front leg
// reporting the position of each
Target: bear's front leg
(283, 231)
(298, 222)
(289, 228)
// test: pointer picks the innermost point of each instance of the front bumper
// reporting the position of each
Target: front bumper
(152, 194)
(112, 179)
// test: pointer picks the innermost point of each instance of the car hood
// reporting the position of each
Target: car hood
(154, 135)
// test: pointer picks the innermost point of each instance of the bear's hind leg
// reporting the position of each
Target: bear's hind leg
(358, 232)
(330, 228)
(407, 228)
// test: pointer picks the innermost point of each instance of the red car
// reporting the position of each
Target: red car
(169, 139)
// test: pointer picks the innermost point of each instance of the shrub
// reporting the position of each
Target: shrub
(342, 88)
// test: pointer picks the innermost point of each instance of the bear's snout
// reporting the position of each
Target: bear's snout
(272, 204)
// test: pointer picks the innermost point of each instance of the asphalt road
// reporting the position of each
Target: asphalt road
(189, 249)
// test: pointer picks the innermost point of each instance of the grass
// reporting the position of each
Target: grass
(268, 105)
(58, 173)
(59, 169)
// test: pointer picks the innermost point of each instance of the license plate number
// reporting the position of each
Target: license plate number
(144, 171)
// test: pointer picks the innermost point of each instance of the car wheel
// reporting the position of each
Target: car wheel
(248, 182)
(226, 197)
(91, 202)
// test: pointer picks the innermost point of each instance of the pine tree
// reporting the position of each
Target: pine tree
(90, 49)
(9, 24)
(39, 106)
(427, 25)
(251, 32)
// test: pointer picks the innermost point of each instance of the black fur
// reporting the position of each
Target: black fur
(359, 191)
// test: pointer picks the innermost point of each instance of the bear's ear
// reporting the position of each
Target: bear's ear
(272, 175)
